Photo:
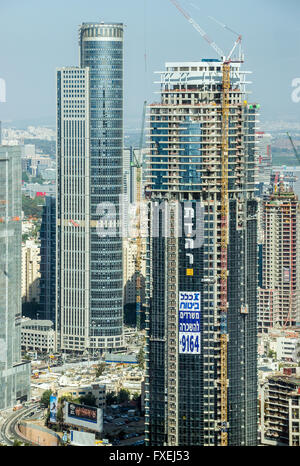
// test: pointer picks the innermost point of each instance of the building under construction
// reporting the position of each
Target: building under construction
(280, 408)
(201, 382)
(279, 293)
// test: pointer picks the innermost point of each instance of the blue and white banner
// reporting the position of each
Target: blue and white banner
(53, 408)
(189, 322)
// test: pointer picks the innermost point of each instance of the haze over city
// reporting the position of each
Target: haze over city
(43, 35)
(150, 226)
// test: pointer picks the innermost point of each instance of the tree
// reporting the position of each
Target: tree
(25, 177)
(32, 206)
(69, 398)
(88, 399)
(271, 354)
(135, 396)
(123, 396)
(17, 443)
(60, 415)
(100, 369)
(111, 398)
(47, 418)
(141, 358)
(45, 398)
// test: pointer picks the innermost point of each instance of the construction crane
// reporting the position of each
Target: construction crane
(294, 147)
(224, 26)
(137, 163)
(224, 215)
(291, 300)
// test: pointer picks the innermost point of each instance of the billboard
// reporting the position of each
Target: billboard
(189, 322)
(53, 408)
(84, 416)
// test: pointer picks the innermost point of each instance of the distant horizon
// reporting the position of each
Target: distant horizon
(50, 122)
(46, 37)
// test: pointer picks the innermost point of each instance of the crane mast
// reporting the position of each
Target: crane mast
(199, 29)
(138, 265)
(294, 147)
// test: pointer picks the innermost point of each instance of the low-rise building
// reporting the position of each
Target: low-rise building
(129, 270)
(30, 272)
(96, 389)
(37, 335)
(282, 342)
(286, 348)
(280, 410)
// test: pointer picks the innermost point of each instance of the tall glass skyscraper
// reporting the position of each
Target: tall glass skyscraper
(48, 257)
(14, 374)
(90, 181)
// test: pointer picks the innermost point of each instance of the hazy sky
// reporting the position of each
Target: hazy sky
(37, 36)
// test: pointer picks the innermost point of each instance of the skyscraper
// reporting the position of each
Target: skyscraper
(264, 157)
(279, 297)
(193, 379)
(48, 256)
(89, 308)
(14, 374)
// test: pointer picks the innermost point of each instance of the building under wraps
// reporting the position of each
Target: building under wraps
(201, 384)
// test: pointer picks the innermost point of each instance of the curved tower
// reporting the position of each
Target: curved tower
(90, 147)
(101, 49)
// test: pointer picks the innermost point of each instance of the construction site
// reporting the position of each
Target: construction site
(279, 294)
(201, 386)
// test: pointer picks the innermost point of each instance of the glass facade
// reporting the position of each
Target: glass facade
(48, 258)
(101, 49)
(12, 370)
(89, 307)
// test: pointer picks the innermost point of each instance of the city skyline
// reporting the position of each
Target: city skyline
(150, 285)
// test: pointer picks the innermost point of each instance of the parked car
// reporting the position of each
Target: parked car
(139, 442)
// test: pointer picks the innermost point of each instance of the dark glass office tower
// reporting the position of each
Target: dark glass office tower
(90, 182)
(101, 48)
(187, 365)
(48, 260)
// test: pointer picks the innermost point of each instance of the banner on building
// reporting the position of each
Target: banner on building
(189, 322)
(53, 408)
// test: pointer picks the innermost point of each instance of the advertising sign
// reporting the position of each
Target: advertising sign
(53, 408)
(189, 322)
(85, 413)
(84, 416)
